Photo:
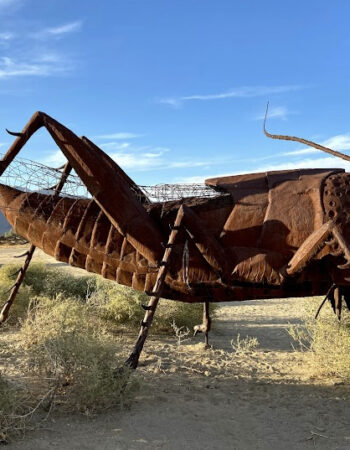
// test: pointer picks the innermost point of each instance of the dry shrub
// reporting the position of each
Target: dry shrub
(49, 281)
(13, 414)
(12, 238)
(19, 308)
(7, 409)
(70, 348)
(41, 281)
(118, 305)
(182, 334)
(185, 315)
(244, 345)
(328, 341)
(121, 305)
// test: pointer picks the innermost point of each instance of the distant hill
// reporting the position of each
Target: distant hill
(4, 225)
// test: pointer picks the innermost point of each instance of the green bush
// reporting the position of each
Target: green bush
(70, 348)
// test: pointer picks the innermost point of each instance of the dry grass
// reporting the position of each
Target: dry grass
(40, 281)
(244, 345)
(7, 409)
(121, 305)
(49, 281)
(15, 412)
(66, 348)
(12, 238)
(116, 304)
(74, 353)
(327, 340)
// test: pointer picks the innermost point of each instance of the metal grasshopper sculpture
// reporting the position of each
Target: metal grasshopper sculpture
(262, 235)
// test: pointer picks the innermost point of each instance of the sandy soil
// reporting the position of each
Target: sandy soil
(193, 398)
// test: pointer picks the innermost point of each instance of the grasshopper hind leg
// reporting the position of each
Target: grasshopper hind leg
(205, 326)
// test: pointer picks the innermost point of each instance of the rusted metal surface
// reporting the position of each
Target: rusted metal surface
(262, 236)
(5, 309)
(254, 236)
(150, 309)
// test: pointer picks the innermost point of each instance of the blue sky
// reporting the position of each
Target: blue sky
(175, 90)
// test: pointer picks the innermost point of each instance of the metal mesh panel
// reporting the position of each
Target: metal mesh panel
(31, 176)
(166, 192)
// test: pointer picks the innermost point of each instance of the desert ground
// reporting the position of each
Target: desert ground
(221, 398)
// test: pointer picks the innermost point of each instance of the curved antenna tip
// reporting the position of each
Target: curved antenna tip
(265, 118)
(13, 133)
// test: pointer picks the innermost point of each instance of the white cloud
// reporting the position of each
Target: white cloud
(277, 112)
(174, 102)
(199, 179)
(115, 146)
(152, 158)
(188, 163)
(54, 159)
(10, 68)
(339, 142)
(22, 57)
(119, 135)
(311, 163)
(134, 161)
(133, 158)
(7, 36)
(303, 151)
(141, 158)
(8, 3)
(241, 92)
(59, 31)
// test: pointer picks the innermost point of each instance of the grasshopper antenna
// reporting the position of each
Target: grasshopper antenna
(302, 141)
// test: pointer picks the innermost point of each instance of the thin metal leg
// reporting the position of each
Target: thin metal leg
(205, 327)
(29, 255)
(133, 359)
(338, 302)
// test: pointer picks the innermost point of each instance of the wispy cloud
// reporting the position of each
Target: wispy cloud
(309, 163)
(277, 112)
(22, 57)
(137, 158)
(8, 3)
(191, 169)
(115, 146)
(339, 142)
(10, 68)
(7, 36)
(59, 31)
(240, 92)
(120, 135)
(302, 151)
(54, 158)
(137, 161)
